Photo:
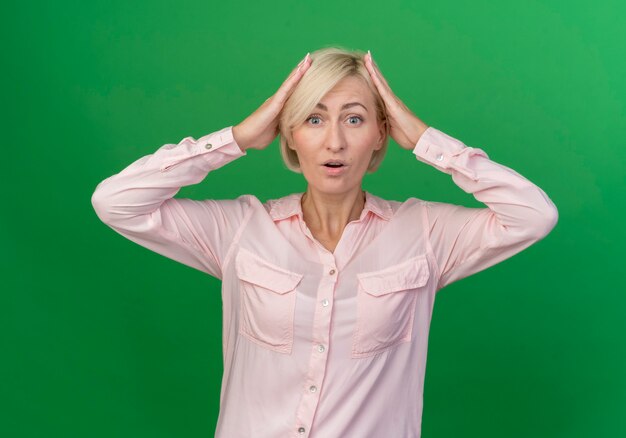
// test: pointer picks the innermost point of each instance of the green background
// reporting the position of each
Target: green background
(103, 338)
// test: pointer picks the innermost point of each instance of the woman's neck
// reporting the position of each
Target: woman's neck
(329, 214)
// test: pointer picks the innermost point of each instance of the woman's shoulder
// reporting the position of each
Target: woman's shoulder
(285, 206)
(392, 203)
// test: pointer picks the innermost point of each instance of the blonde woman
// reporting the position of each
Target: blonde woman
(327, 294)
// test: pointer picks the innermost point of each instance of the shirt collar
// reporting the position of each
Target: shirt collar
(290, 205)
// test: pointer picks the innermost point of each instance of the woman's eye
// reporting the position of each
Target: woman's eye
(351, 117)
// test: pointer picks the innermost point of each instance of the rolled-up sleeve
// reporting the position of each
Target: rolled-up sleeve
(468, 240)
(139, 202)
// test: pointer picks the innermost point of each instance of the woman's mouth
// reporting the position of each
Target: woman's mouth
(334, 169)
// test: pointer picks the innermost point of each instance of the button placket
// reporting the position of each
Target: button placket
(318, 358)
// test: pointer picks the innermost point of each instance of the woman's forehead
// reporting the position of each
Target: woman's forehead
(346, 95)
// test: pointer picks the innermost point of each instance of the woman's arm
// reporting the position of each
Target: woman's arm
(468, 240)
(139, 202)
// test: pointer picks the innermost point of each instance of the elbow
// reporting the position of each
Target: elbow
(99, 206)
(553, 218)
(120, 217)
(545, 216)
(546, 222)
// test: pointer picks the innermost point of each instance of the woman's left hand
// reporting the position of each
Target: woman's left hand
(405, 127)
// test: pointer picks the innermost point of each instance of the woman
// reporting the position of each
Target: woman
(327, 295)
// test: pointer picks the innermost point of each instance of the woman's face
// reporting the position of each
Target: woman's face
(342, 127)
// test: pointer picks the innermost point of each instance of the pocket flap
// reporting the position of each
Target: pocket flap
(253, 269)
(410, 274)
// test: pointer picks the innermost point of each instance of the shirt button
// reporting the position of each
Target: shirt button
(208, 146)
(301, 430)
(324, 302)
(331, 272)
(320, 348)
(313, 388)
(439, 157)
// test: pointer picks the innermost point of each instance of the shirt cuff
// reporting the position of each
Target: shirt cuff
(221, 140)
(446, 153)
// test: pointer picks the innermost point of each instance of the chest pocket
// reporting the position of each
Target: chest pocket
(386, 301)
(268, 299)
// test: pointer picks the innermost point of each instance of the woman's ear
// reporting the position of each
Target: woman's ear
(289, 140)
(383, 133)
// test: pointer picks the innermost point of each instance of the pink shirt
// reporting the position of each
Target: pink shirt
(320, 344)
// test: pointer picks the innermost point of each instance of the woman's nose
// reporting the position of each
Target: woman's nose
(335, 139)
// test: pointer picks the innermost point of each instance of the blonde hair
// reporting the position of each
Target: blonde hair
(330, 65)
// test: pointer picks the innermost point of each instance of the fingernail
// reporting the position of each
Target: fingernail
(369, 53)
(303, 60)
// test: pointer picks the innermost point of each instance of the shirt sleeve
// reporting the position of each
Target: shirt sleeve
(468, 240)
(139, 202)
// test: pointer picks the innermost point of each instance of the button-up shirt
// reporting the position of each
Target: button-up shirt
(317, 343)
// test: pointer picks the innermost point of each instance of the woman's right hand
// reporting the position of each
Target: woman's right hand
(260, 128)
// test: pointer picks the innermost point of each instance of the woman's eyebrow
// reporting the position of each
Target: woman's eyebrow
(347, 105)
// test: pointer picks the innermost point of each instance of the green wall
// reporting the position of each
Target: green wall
(100, 337)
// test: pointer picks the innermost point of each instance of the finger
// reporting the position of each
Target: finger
(385, 91)
(382, 87)
(302, 65)
(292, 80)
(379, 73)
(369, 64)
(280, 96)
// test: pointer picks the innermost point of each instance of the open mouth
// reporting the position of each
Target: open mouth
(335, 169)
